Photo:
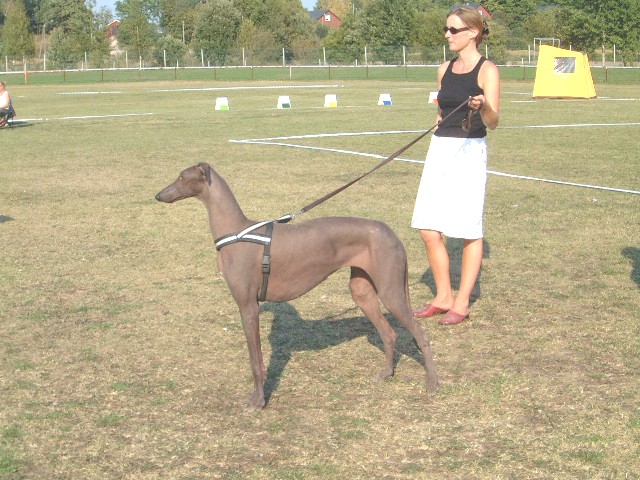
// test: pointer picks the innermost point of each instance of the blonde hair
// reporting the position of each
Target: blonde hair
(472, 19)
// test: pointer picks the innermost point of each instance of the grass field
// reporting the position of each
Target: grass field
(121, 350)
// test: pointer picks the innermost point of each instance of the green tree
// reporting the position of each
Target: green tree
(138, 30)
(541, 24)
(16, 36)
(387, 24)
(426, 32)
(288, 21)
(588, 25)
(177, 18)
(346, 45)
(216, 26)
(259, 43)
(170, 49)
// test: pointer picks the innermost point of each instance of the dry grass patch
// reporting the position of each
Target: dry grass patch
(122, 354)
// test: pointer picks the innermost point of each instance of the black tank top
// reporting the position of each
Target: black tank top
(455, 88)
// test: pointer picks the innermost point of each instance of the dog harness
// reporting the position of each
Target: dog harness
(246, 235)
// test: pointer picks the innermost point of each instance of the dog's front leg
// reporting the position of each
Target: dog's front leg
(251, 325)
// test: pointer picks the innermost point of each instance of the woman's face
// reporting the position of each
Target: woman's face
(458, 41)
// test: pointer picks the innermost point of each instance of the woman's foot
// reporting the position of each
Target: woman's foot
(452, 318)
(429, 311)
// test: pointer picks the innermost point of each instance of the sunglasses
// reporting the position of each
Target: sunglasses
(455, 30)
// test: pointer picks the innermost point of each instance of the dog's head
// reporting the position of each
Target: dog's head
(190, 183)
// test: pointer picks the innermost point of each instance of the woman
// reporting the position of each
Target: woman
(450, 200)
(5, 104)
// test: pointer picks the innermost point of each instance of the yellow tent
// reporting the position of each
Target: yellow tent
(562, 74)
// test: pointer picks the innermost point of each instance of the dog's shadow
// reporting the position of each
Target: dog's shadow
(454, 246)
(290, 333)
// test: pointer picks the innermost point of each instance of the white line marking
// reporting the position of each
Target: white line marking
(88, 93)
(273, 87)
(274, 141)
(42, 119)
(570, 125)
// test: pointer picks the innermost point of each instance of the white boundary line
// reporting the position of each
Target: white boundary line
(274, 141)
(42, 119)
(268, 87)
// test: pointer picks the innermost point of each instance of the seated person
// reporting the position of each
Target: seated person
(6, 109)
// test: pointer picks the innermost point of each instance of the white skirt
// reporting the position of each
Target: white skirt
(451, 194)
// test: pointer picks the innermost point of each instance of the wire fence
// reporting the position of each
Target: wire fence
(243, 57)
(385, 63)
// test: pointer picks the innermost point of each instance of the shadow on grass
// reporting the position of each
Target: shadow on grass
(454, 246)
(17, 124)
(633, 254)
(291, 333)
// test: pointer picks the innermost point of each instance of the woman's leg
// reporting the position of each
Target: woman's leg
(438, 257)
(471, 263)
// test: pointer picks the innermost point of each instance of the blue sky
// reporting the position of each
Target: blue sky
(308, 4)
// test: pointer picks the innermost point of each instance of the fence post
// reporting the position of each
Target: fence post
(284, 64)
(366, 62)
(202, 57)
(164, 57)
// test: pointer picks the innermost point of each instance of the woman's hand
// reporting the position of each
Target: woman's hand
(476, 103)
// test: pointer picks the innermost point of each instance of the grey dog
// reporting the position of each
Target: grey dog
(298, 257)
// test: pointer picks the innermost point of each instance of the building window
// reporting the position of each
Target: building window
(327, 17)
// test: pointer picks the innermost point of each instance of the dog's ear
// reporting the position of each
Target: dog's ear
(206, 171)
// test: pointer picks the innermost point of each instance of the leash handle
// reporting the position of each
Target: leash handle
(391, 157)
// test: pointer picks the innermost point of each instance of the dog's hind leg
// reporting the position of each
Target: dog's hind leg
(396, 301)
(392, 284)
(364, 294)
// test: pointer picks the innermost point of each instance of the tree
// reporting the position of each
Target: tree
(346, 44)
(216, 26)
(541, 24)
(177, 17)
(426, 31)
(387, 24)
(16, 37)
(137, 28)
(588, 25)
(259, 43)
(170, 49)
(288, 21)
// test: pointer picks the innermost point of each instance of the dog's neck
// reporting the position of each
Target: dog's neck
(225, 215)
